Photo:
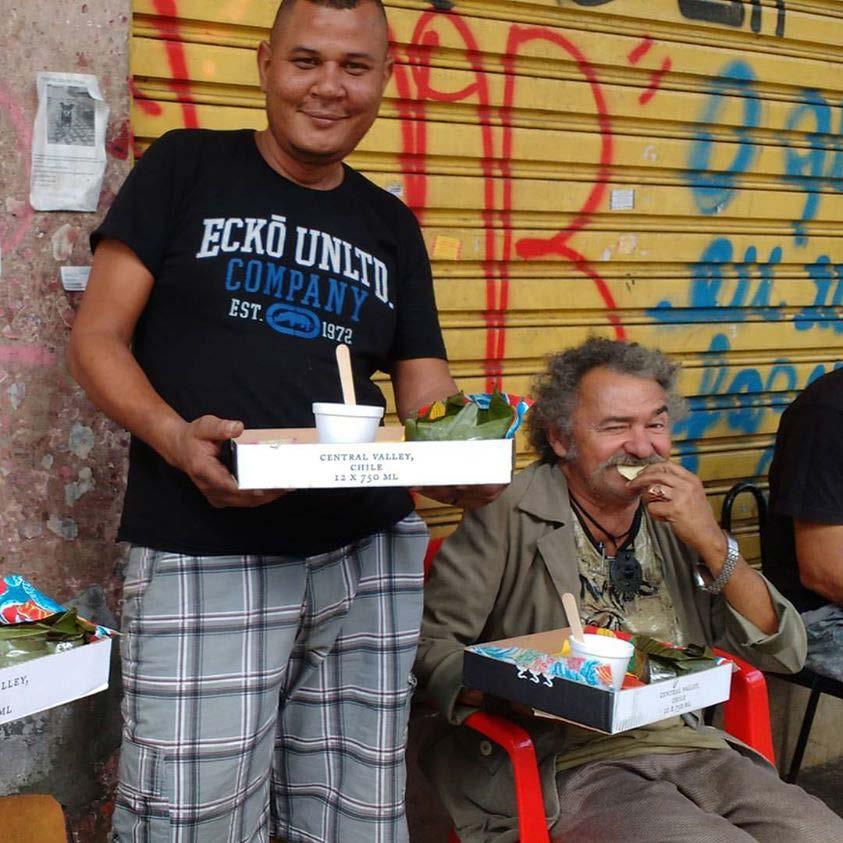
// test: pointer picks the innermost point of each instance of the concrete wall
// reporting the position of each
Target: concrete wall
(61, 463)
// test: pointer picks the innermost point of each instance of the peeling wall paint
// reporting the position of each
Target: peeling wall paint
(62, 465)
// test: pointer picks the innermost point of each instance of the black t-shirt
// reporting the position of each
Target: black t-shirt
(257, 279)
(806, 481)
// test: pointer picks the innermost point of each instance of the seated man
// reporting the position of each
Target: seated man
(564, 525)
(803, 554)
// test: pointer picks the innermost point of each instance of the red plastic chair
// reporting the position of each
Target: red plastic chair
(532, 827)
(746, 716)
(432, 549)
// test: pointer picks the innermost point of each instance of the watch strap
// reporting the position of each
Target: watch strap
(733, 553)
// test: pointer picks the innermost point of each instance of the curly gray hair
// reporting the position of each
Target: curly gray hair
(555, 389)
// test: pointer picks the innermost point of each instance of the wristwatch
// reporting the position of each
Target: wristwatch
(733, 553)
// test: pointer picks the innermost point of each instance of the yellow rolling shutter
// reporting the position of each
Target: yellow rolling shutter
(669, 171)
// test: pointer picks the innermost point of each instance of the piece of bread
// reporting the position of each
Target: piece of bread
(630, 471)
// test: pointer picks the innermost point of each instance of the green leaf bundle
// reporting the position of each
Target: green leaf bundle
(460, 418)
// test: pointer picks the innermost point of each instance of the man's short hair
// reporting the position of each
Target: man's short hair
(555, 389)
(285, 5)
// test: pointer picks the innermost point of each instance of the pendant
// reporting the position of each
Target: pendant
(625, 574)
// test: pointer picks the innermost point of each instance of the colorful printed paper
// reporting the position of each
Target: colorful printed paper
(538, 666)
(521, 404)
(496, 415)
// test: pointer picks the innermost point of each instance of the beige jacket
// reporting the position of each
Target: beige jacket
(501, 574)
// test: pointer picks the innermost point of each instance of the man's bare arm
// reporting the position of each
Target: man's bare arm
(420, 381)
(819, 554)
(100, 358)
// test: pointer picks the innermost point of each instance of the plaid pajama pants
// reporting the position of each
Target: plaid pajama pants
(268, 694)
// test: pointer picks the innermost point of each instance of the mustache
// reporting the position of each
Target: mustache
(625, 459)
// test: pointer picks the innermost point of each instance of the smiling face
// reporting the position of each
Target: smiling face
(323, 73)
(617, 419)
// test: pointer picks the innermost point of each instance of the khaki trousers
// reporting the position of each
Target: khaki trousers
(718, 796)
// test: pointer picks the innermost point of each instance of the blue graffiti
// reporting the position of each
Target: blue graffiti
(731, 284)
(825, 311)
(713, 273)
(818, 161)
(724, 289)
(813, 152)
(741, 399)
(714, 189)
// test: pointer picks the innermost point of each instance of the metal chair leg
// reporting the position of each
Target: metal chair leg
(804, 731)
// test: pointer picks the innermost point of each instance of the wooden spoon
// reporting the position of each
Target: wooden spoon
(573, 614)
(346, 378)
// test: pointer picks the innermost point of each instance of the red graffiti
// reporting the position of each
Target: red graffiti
(144, 104)
(414, 142)
(118, 145)
(412, 161)
(638, 52)
(27, 354)
(655, 82)
(558, 244)
(413, 82)
(142, 101)
(635, 55)
(177, 58)
(495, 266)
(415, 87)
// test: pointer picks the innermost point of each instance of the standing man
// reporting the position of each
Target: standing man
(803, 551)
(268, 636)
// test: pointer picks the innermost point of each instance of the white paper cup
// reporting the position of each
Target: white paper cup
(346, 423)
(614, 652)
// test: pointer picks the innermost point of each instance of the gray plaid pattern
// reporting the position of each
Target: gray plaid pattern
(269, 693)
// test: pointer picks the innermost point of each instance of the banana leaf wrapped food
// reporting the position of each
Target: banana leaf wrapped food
(34, 625)
(495, 415)
(21, 642)
(654, 660)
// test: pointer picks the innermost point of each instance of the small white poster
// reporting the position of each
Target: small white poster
(622, 199)
(74, 279)
(68, 143)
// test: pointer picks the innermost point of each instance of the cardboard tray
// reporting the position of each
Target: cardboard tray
(527, 669)
(291, 458)
(48, 681)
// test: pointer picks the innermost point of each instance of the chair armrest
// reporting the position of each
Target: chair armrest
(746, 714)
(532, 827)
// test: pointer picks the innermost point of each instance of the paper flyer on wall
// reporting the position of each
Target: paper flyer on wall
(68, 143)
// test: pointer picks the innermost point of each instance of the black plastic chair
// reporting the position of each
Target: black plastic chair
(816, 683)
